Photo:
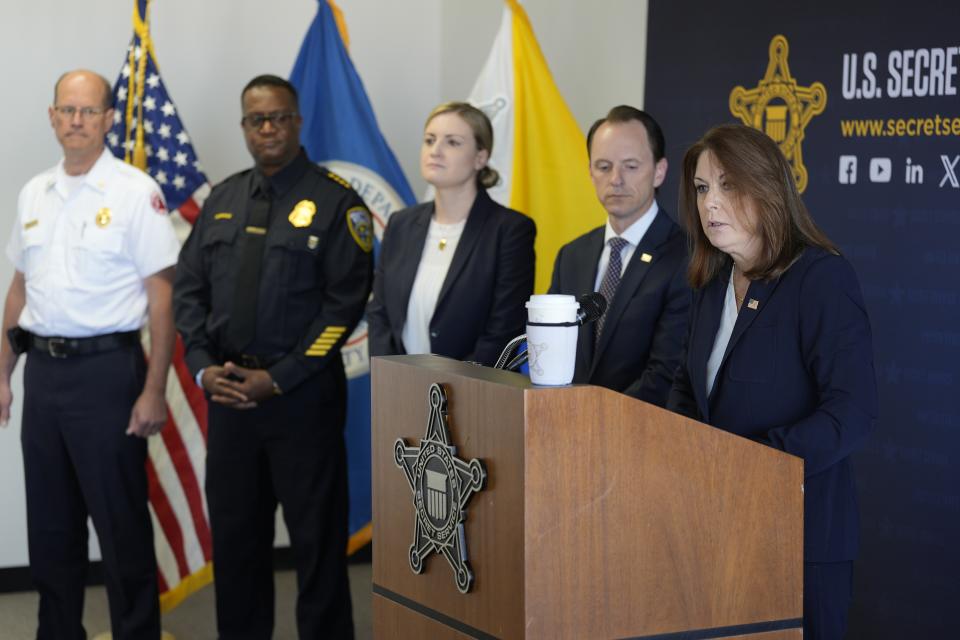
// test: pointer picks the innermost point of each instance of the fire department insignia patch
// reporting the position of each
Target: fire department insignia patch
(156, 201)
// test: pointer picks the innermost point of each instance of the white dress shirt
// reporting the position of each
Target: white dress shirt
(632, 234)
(85, 245)
(728, 318)
(434, 264)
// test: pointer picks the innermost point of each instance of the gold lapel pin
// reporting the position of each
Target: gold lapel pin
(646, 258)
(753, 304)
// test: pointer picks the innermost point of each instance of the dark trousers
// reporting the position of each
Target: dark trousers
(290, 448)
(827, 592)
(79, 462)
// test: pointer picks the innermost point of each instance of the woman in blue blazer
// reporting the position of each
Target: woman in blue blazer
(779, 347)
(453, 274)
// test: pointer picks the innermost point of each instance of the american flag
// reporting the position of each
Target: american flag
(147, 132)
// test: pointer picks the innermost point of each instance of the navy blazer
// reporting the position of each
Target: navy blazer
(796, 375)
(481, 303)
(646, 322)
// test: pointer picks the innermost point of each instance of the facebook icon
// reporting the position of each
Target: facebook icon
(848, 169)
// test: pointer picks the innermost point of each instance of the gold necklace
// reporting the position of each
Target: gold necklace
(736, 297)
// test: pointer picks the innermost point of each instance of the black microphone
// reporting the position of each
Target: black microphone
(592, 306)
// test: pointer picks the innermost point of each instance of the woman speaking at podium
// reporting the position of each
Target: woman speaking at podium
(779, 347)
(454, 273)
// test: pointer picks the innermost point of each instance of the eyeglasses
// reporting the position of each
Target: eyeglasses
(68, 111)
(276, 119)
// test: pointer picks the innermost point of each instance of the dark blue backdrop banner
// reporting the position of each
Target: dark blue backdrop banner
(863, 99)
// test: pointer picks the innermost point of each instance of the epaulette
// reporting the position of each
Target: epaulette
(338, 179)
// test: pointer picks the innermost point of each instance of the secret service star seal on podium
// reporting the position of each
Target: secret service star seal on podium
(442, 485)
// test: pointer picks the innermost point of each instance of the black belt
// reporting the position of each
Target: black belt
(251, 361)
(67, 347)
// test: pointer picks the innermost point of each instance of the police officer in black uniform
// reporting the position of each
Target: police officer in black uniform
(271, 282)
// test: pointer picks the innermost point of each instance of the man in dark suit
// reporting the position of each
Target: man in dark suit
(637, 261)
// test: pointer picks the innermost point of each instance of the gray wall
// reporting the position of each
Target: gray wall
(411, 56)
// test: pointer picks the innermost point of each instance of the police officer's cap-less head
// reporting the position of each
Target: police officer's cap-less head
(271, 122)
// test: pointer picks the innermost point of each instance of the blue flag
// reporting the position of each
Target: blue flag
(340, 132)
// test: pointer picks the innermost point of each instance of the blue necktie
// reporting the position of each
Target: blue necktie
(608, 286)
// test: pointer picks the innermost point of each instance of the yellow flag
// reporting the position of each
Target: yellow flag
(539, 148)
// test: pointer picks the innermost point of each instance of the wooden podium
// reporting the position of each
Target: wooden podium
(602, 516)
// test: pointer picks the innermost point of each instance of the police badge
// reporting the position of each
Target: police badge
(103, 217)
(302, 214)
(442, 485)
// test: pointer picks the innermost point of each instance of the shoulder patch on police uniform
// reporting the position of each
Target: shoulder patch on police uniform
(361, 227)
(302, 214)
(223, 215)
(339, 180)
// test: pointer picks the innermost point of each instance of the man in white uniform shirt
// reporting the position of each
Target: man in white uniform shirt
(637, 260)
(94, 255)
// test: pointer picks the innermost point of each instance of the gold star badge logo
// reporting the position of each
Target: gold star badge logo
(780, 108)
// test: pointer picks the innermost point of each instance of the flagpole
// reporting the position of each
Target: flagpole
(150, 135)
